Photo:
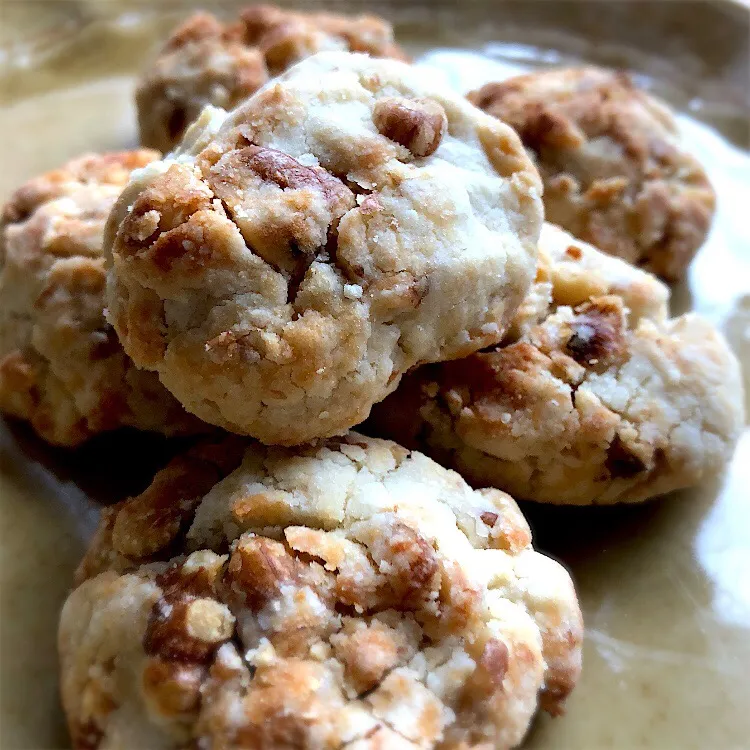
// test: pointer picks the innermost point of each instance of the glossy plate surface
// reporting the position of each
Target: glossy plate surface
(665, 587)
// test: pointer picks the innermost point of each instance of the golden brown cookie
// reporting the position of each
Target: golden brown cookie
(61, 365)
(615, 173)
(596, 396)
(206, 61)
(291, 260)
(345, 594)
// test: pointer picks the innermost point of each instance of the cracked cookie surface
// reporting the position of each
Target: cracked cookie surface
(286, 265)
(345, 594)
(206, 61)
(615, 173)
(61, 365)
(596, 395)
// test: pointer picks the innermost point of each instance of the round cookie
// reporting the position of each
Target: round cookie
(286, 265)
(61, 365)
(614, 171)
(596, 397)
(205, 61)
(346, 594)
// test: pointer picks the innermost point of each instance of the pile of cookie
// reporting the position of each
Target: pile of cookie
(332, 240)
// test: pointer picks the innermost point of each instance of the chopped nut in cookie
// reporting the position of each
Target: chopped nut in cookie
(417, 124)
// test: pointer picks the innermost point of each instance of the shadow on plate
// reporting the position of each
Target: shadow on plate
(107, 468)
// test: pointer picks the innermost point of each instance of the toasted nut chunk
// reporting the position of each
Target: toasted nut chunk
(417, 124)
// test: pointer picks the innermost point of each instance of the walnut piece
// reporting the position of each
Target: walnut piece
(417, 124)
(289, 245)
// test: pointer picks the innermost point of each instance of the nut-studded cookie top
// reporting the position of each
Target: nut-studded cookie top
(349, 594)
(615, 173)
(286, 265)
(205, 61)
(595, 396)
(61, 365)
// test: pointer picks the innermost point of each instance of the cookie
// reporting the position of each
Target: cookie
(61, 365)
(205, 61)
(346, 594)
(286, 265)
(615, 173)
(597, 396)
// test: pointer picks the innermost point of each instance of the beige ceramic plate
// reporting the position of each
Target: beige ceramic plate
(665, 587)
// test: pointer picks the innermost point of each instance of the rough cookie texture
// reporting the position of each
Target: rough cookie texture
(350, 594)
(206, 61)
(596, 396)
(286, 265)
(614, 171)
(61, 365)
